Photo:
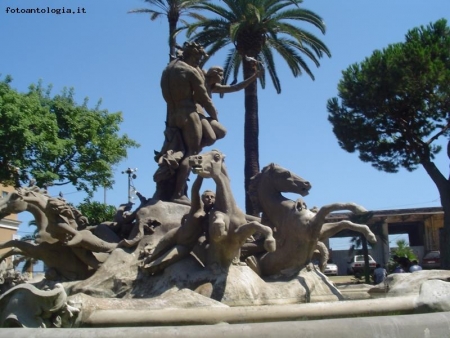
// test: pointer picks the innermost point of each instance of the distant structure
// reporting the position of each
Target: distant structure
(421, 225)
(8, 225)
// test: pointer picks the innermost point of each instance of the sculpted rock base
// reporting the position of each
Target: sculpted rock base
(26, 306)
(239, 286)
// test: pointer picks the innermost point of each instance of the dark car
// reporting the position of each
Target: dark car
(432, 260)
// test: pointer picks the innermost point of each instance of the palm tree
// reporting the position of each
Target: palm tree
(256, 28)
(173, 9)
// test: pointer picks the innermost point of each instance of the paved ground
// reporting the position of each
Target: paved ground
(342, 279)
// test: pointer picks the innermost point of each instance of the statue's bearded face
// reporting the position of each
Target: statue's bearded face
(194, 52)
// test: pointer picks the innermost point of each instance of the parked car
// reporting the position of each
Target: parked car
(356, 265)
(432, 260)
(331, 269)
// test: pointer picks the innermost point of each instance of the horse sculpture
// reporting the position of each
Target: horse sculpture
(298, 231)
(178, 242)
(228, 227)
(57, 232)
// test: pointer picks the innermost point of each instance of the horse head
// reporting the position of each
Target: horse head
(285, 181)
(208, 165)
(272, 181)
(13, 203)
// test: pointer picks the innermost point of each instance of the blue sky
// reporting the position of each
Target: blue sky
(118, 57)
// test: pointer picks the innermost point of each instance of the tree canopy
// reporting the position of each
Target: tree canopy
(255, 30)
(54, 140)
(258, 28)
(395, 103)
(173, 10)
(97, 212)
(394, 106)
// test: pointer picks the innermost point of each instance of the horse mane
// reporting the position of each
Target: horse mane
(223, 166)
(254, 185)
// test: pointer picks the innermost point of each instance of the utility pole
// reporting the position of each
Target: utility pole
(131, 175)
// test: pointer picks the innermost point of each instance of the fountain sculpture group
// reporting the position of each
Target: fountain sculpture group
(172, 251)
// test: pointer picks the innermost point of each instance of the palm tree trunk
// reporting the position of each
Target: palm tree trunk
(366, 259)
(251, 134)
(172, 40)
(173, 20)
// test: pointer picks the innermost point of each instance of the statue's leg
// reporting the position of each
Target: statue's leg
(324, 255)
(191, 132)
(330, 229)
(168, 258)
(136, 234)
(253, 264)
(87, 257)
(93, 243)
(208, 135)
(182, 175)
(200, 249)
(246, 230)
(106, 233)
(164, 244)
(253, 248)
(324, 211)
(28, 249)
(9, 244)
(13, 251)
(219, 130)
(76, 239)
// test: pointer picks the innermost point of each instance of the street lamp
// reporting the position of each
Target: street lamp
(131, 175)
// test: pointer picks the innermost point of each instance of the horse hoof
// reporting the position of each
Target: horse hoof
(270, 245)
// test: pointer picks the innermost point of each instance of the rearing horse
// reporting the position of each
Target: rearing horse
(53, 226)
(15, 203)
(298, 230)
(228, 227)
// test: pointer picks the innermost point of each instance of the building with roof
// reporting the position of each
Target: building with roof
(420, 225)
(8, 225)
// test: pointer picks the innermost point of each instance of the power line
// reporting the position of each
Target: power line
(410, 204)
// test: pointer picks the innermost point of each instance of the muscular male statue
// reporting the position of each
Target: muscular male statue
(187, 90)
(183, 87)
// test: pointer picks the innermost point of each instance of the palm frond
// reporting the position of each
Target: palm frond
(153, 14)
(267, 58)
(164, 6)
(274, 6)
(269, 16)
(216, 9)
(212, 50)
(303, 15)
(304, 38)
(232, 65)
(236, 66)
(293, 59)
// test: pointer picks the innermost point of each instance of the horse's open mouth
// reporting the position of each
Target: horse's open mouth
(197, 169)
